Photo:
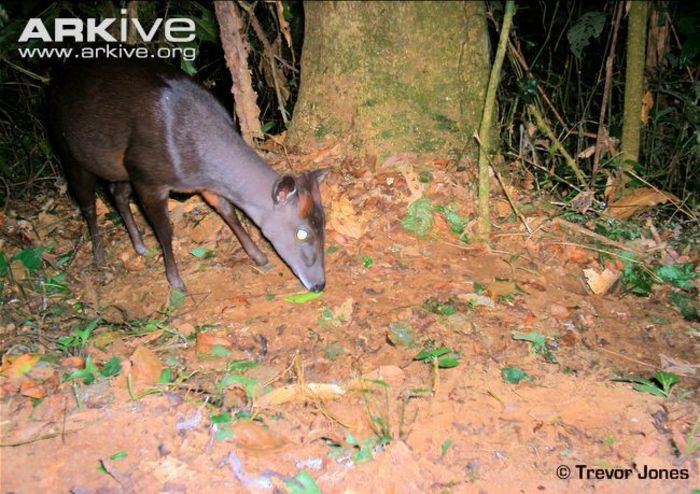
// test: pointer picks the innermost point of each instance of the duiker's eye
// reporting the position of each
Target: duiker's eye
(302, 234)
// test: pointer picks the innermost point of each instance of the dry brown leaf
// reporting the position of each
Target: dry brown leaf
(346, 221)
(31, 389)
(600, 283)
(502, 208)
(294, 392)
(145, 366)
(636, 201)
(16, 368)
(207, 341)
(497, 288)
(344, 311)
(256, 438)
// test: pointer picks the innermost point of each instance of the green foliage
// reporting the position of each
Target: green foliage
(360, 450)
(635, 279)
(31, 257)
(77, 340)
(250, 384)
(539, 344)
(202, 252)
(678, 275)
(513, 375)
(443, 308)
(419, 218)
(90, 371)
(302, 483)
(444, 357)
(302, 298)
(177, 297)
(589, 25)
(659, 384)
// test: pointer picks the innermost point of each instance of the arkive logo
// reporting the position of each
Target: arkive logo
(175, 30)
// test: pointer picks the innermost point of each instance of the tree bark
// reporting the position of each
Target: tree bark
(392, 76)
(235, 43)
(634, 81)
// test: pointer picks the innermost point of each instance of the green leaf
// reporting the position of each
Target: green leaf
(445, 446)
(239, 365)
(87, 374)
(187, 67)
(678, 274)
(219, 351)
(589, 25)
(685, 305)
(302, 298)
(666, 379)
(201, 252)
(4, 265)
(302, 483)
(513, 375)
(448, 362)
(31, 257)
(419, 218)
(222, 418)
(456, 222)
(177, 296)
(112, 367)
(118, 455)
(367, 261)
(223, 432)
(166, 375)
(539, 342)
(249, 383)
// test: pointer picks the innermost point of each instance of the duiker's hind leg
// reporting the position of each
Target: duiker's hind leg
(154, 200)
(121, 192)
(82, 184)
(225, 209)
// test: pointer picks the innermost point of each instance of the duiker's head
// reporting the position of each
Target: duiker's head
(296, 226)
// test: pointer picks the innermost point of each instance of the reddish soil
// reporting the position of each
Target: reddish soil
(328, 368)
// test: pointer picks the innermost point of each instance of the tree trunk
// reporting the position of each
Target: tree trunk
(634, 81)
(485, 145)
(392, 76)
(235, 43)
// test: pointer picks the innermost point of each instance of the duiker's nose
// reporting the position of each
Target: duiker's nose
(318, 287)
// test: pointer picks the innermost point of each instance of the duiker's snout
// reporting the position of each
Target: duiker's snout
(318, 287)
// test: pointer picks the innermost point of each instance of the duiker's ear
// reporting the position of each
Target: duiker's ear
(285, 187)
(320, 174)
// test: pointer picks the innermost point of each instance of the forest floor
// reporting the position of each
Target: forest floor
(237, 387)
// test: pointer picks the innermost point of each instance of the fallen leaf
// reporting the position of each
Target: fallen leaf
(19, 366)
(498, 288)
(256, 438)
(145, 366)
(636, 201)
(600, 283)
(294, 392)
(207, 341)
(346, 221)
(31, 389)
(344, 311)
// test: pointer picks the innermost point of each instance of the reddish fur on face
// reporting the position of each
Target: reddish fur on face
(306, 202)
